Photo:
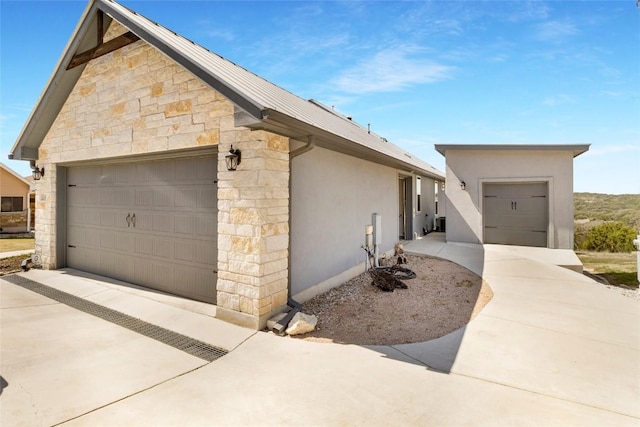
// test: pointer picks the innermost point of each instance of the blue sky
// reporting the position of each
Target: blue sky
(419, 72)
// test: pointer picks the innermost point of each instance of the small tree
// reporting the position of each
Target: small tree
(610, 237)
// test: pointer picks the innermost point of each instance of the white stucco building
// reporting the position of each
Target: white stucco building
(510, 194)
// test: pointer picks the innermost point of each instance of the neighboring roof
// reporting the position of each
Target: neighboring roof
(14, 173)
(577, 149)
(265, 105)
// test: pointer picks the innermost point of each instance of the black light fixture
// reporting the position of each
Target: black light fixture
(233, 158)
(463, 185)
(37, 173)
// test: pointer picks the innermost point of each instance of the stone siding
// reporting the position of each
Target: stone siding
(11, 221)
(137, 101)
(253, 227)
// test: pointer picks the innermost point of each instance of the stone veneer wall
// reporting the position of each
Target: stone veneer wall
(253, 229)
(11, 221)
(136, 101)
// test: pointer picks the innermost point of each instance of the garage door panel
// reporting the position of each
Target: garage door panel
(174, 203)
(122, 197)
(206, 226)
(144, 245)
(185, 250)
(124, 173)
(107, 219)
(185, 224)
(186, 198)
(125, 268)
(162, 197)
(515, 213)
(107, 240)
(207, 199)
(163, 248)
(75, 235)
(123, 242)
(106, 197)
(88, 175)
(144, 197)
(162, 223)
(206, 253)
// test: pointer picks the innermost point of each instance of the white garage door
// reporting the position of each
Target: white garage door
(152, 223)
(516, 214)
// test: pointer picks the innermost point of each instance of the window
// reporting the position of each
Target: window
(418, 193)
(12, 204)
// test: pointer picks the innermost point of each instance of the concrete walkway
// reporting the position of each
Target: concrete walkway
(551, 348)
(16, 253)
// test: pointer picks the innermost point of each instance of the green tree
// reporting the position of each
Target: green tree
(610, 237)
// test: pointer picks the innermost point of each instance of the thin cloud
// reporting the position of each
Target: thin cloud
(614, 148)
(223, 34)
(552, 31)
(391, 70)
(560, 99)
(529, 10)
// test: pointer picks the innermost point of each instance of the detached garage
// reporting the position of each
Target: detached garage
(510, 194)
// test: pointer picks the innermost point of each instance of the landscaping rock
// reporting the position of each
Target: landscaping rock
(302, 323)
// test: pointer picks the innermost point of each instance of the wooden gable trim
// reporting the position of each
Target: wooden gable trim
(102, 48)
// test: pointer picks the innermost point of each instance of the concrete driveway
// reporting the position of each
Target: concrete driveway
(551, 348)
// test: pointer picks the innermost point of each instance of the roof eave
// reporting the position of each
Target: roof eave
(62, 81)
(51, 100)
(576, 149)
(282, 124)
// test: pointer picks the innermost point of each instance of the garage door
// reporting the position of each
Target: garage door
(151, 223)
(516, 214)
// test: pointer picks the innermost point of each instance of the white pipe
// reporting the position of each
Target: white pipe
(368, 244)
(377, 237)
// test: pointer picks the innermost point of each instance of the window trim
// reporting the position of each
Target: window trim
(3, 200)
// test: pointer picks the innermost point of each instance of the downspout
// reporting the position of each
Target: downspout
(29, 210)
(282, 324)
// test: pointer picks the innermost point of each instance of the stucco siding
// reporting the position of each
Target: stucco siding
(464, 207)
(333, 198)
(11, 186)
(423, 218)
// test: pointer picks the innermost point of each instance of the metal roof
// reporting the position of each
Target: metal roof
(267, 105)
(577, 149)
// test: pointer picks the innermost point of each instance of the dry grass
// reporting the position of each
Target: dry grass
(10, 245)
(617, 268)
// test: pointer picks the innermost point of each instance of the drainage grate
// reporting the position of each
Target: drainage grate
(181, 342)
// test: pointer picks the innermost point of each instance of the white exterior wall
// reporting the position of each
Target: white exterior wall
(423, 218)
(475, 167)
(333, 197)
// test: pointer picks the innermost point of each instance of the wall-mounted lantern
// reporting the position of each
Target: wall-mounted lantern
(37, 173)
(463, 185)
(233, 158)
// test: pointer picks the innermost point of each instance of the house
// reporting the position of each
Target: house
(510, 194)
(16, 193)
(171, 167)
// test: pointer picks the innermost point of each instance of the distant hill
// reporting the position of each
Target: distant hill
(593, 207)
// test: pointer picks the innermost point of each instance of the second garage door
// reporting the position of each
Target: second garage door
(515, 214)
(149, 223)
